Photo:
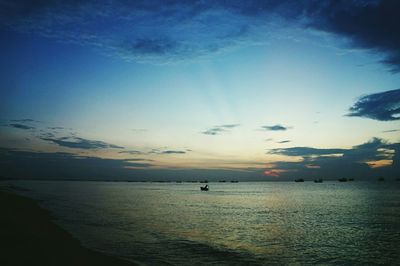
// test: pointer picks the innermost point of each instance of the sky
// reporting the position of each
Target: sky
(190, 90)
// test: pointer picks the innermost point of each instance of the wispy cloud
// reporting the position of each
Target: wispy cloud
(132, 152)
(383, 106)
(284, 141)
(213, 131)
(164, 151)
(216, 130)
(25, 120)
(81, 143)
(21, 126)
(173, 152)
(390, 131)
(25, 123)
(162, 32)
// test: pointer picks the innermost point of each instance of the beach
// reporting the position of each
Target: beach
(29, 236)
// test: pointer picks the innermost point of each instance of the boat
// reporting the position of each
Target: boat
(299, 180)
(381, 179)
(318, 180)
(205, 188)
(342, 179)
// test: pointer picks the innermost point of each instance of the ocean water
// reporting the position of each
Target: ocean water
(250, 223)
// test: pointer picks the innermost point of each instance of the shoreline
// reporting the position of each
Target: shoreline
(29, 236)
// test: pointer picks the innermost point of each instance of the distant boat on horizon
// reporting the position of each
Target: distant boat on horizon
(342, 179)
(318, 180)
(299, 180)
(381, 179)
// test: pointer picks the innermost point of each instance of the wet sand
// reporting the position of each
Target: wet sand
(28, 236)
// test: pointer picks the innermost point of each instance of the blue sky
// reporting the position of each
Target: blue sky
(200, 88)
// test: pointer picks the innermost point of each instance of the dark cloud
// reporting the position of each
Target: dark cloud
(368, 24)
(161, 32)
(275, 128)
(367, 160)
(220, 129)
(383, 106)
(21, 126)
(80, 143)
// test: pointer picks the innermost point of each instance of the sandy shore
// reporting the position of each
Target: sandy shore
(28, 236)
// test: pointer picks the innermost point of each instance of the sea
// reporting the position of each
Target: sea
(245, 223)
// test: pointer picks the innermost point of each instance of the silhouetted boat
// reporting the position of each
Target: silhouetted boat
(299, 180)
(342, 179)
(205, 188)
(318, 180)
(381, 179)
(234, 181)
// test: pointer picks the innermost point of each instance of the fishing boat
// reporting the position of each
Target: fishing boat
(205, 188)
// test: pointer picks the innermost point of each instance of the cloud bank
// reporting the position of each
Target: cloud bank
(60, 165)
(372, 159)
(18, 164)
